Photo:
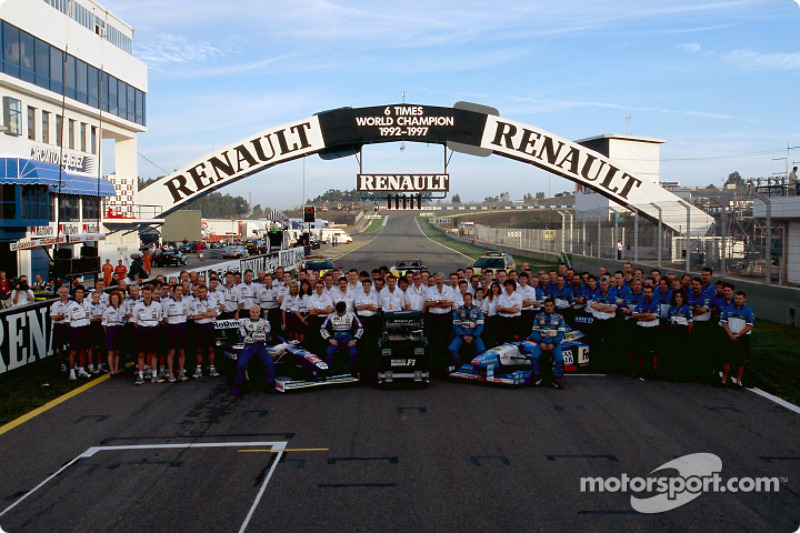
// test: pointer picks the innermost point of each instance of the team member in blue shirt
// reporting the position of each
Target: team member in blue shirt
(737, 321)
(702, 332)
(677, 334)
(549, 330)
(645, 315)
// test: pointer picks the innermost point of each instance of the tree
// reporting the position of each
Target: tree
(540, 195)
(505, 196)
(456, 199)
(736, 179)
(711, 187)
(491, 200)
(257, 212)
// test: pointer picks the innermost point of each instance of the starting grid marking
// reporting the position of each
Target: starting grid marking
(273, 447)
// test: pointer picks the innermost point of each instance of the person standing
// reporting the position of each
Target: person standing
(145, 317)
(121, 269)
(620, 248)
(112, 323)
(77, 316)
(58, 314)
(737, 321)
(108, 271)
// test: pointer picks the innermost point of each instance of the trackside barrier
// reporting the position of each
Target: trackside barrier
(26, 332)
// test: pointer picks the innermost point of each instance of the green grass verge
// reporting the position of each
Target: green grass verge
(375, 225)
(471, 250)
(774, 364)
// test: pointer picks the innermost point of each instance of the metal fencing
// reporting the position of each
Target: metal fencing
(737, 243)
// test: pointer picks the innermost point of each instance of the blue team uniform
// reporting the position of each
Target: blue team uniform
(466, 322)
(547, 329)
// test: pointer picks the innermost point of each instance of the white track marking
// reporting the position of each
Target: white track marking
(277, 447)
(779, 401)
(440, 244)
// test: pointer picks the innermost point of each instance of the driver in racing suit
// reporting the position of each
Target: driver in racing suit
(254, 332)
(342, 328)
(548, 332)
(468, 326)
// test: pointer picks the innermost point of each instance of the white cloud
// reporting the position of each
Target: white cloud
(690, 47)
(751, 60)
(164, 49)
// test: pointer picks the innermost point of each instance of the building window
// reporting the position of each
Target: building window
(26, 57)
(59, 130)
(42, 52)
(69, 208)
(91, 208)
(56, 70)
(12, 115)
(94, 139)
(30, 59)
(31, 123)
(71, 133)
(8, 201)
(83, 136)
(46, 127)
(11, 50)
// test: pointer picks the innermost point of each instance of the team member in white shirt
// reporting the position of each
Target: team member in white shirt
(175, 313)
(353, 283)
(145, 317)
(78, 315)
(247, 290)
(97, 339)
(392, 298)
(232, 297)
(529, 302)
(368, 307)
(204, 311)
(509, 306)
(320, 306)
(58, 314)
(416, 293)
(267, 296)
(439, 304)
(129, 331)
(341, 294)
(113, 322)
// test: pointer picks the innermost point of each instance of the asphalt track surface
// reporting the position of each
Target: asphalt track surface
(191, 457)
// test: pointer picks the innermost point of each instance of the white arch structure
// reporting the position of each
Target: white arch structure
(465, 127)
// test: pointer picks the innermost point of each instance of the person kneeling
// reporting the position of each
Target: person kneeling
(548, 332)
(254, 332)
(468, 326)
(342, 329)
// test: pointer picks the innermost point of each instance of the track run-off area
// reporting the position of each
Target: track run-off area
(453, 456)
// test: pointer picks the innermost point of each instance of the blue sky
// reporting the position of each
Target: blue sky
(718, 80)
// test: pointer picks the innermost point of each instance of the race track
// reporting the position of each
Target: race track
(191, 457)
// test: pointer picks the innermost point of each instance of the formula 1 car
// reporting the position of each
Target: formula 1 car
(295, 367)
(506, 365)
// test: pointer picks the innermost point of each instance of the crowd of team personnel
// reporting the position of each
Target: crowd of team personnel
(653, 327)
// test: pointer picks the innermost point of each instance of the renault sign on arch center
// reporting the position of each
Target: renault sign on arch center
(345, 130)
